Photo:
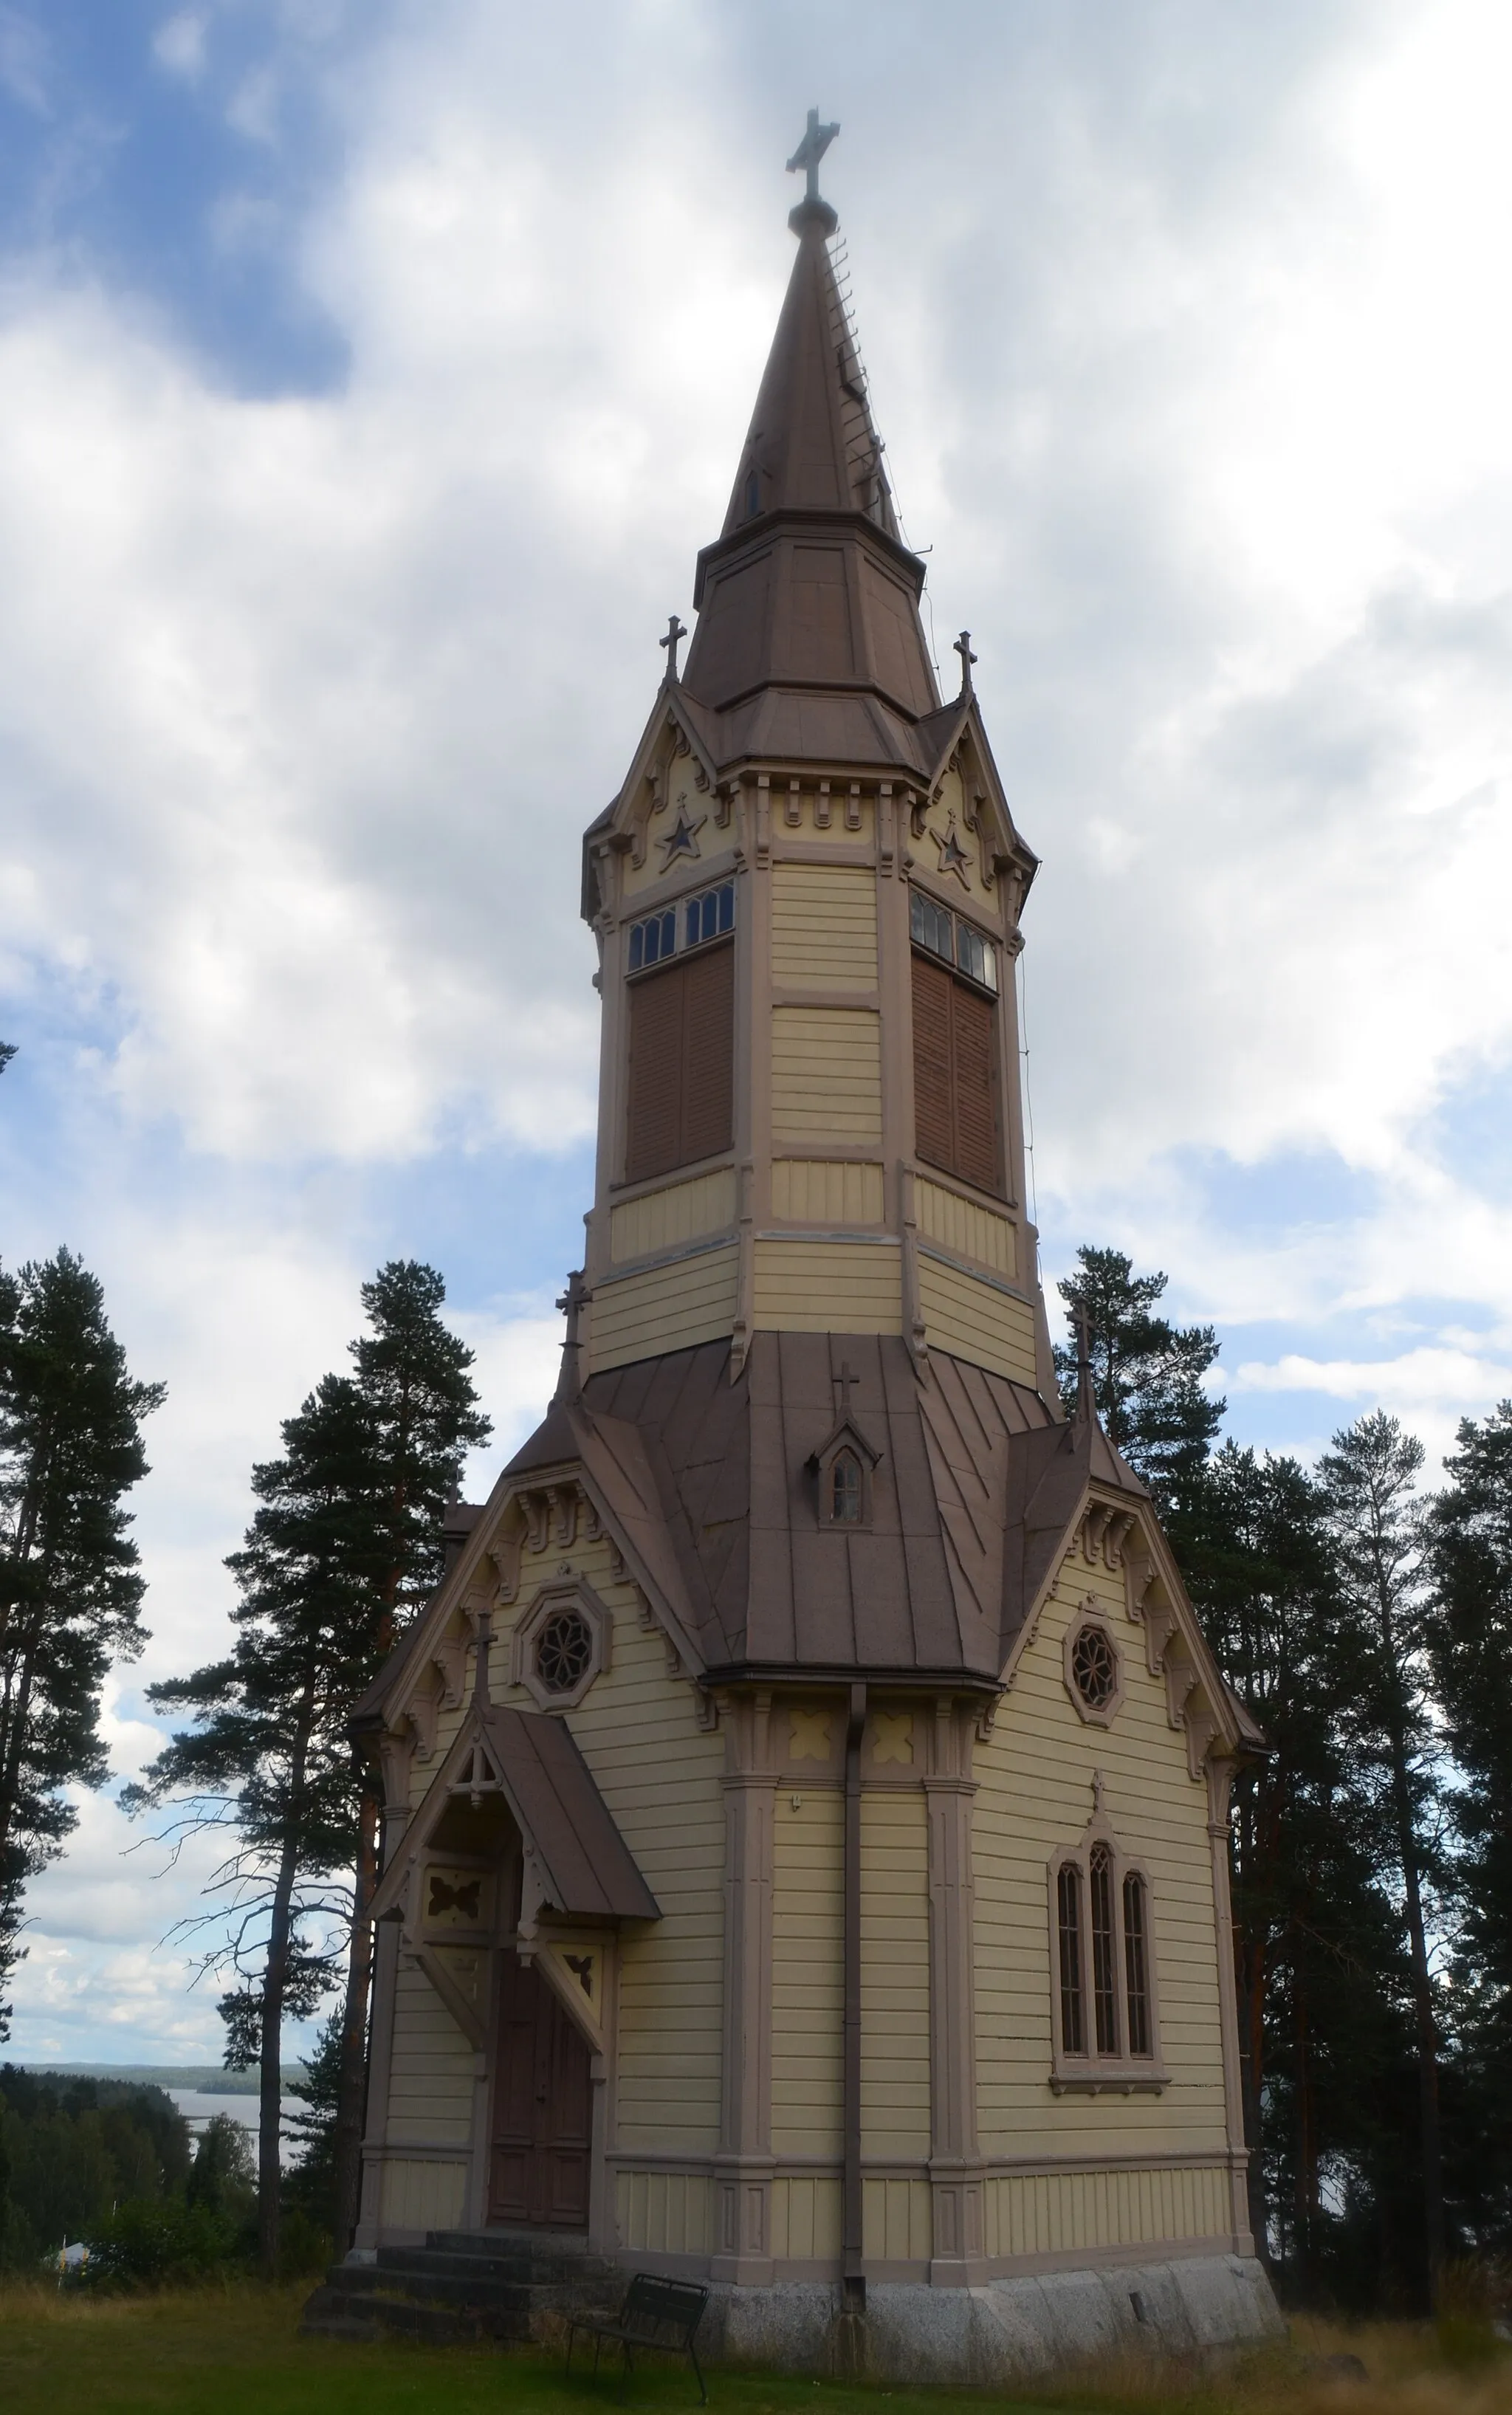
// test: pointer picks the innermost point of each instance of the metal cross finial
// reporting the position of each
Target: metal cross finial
(963, 648)
(815, 142)
(1098, 1784)
(674, 635)
(845, 1377)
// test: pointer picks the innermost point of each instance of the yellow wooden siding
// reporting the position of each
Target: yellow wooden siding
(1034, 1793)
(812, 1191)
(1050, 2214)
(807, 1974)
(961, 1225)
(827, 1075)
(665, 2214)
(419, 2196)
(659, 1220)
(828, 1288)
(823, 926)
(666, 1308)
(660, 1775)
(897, 2220)
(894, 1973)
(974, 1321)
(807, 2216)
(949, 804)
(430, 2083)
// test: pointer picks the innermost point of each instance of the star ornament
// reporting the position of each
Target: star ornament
(682, 838)
(953, 856)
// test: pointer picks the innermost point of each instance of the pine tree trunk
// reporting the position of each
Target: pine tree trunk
(270, 2087)
(1428, 2049)
(352, 2099)
(1307, 2143)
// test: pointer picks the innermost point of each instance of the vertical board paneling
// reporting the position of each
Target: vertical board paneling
(660, 1220)
(812, 1191)
(894, 1975)
(807, 1975)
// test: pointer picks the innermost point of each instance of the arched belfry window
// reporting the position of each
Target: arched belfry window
(846, 1495)
(1105, 2031)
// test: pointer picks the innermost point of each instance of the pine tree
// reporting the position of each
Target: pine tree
(269, 1755)
(414, 1378)
(1146, 1375)
(1468, 1540)
(1375, 1524)
(70, 1588)
(349, 1536)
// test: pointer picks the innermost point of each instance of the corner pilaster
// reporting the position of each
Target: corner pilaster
(957, 2182)
(745, 2164)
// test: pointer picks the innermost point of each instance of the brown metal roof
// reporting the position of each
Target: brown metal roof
(588, 1869)
(711, 1485)
(808, 644)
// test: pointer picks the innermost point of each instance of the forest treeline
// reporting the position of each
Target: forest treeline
(1366, 1621)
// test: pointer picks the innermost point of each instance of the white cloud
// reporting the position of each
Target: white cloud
(179, 44)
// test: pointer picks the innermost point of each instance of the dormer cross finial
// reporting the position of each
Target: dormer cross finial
(845, 1378)
(815, 142)
(1099, 1789)
(963, 648)
(674, 635)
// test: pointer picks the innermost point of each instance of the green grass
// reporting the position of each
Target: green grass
(237, 2352)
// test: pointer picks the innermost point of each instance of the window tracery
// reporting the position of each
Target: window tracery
(1105, 2030)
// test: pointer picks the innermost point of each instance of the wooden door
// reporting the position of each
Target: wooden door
(541, 2107)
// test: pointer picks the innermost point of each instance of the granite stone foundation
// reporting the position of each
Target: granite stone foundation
(1004, 2331)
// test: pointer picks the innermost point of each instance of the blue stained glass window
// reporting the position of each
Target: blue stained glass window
(709, 916)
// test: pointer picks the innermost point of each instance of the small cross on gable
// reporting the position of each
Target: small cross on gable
(963, 648)
(674, 635)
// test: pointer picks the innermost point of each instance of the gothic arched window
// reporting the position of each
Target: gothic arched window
(844, 1489)
(1105, 2031)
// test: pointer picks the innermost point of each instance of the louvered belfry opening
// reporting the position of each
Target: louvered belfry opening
(681, 1063)
(955, 1076)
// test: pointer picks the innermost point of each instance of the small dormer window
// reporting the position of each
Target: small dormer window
(845, 1490)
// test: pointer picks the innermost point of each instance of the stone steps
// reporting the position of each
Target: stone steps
(462, 2286)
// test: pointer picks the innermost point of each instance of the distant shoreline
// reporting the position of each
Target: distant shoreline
(205, 2078)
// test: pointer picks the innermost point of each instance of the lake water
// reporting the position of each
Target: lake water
(197, 2106)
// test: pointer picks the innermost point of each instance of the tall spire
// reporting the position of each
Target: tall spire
(810, 583)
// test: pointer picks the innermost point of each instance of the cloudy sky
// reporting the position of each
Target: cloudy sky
(370, 371)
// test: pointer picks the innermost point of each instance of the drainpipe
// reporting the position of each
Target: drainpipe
(855, 2276)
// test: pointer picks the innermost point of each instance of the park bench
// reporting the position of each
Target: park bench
(656, 2314)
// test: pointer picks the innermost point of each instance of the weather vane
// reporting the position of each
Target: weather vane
(815, 142)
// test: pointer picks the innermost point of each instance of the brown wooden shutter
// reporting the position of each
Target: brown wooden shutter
(655, 1117)
(708, 1053)
(976, 1117)
(681, 1104)
(933, 1119)
(955, 1104)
